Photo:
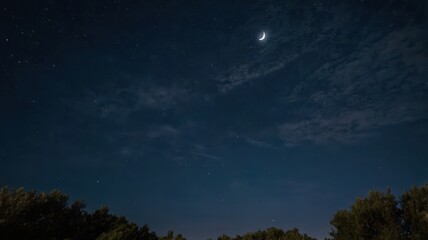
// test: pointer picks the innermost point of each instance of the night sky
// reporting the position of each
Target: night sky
(175, 115)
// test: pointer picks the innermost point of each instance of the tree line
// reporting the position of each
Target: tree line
(49, 216)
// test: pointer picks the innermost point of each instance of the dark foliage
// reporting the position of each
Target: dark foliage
(32, 215)
(381, 216)
(270, 234)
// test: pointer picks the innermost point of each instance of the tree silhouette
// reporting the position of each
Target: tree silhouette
(48, 216)
(414, 205)
(31, 215)
(381, 217)
(270, 234)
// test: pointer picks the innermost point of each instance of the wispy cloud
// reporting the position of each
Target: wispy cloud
(205, 155)
(244, 73)
(259, 143)
(383, 83)
(117, 103)
(162, 131)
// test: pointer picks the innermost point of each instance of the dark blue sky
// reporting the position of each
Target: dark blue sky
(175, 115)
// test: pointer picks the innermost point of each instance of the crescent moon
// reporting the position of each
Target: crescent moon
(263, 37)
